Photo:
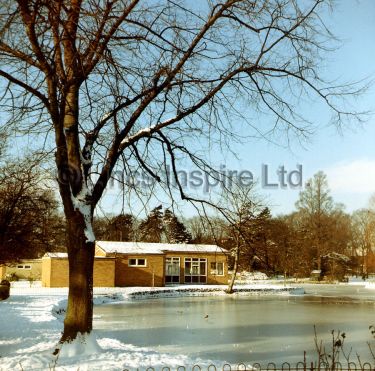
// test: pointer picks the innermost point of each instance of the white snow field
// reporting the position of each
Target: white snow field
(31, 324)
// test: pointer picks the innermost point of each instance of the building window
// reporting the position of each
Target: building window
(23, 266)
(195, 270)
(138, 262)
(217, 268)
(172, 270)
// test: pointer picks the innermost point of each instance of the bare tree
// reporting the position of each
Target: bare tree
(28, 213)
(315, 205)
(243, 209)
(363, 222)
(145, 83)
(326, 226)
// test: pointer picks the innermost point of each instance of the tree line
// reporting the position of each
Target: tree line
(291, 245)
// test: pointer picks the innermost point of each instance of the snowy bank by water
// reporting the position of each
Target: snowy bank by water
(29, 331)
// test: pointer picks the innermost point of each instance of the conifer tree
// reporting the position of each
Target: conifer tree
(151, 228)
(121, 228)
(174, 230)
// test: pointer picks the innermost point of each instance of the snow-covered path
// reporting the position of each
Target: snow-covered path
(29, 333)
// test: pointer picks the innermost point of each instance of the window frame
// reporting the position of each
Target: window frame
(215, 270)
(196, 278)
(24, 266)
(172, 259)
(137, 262)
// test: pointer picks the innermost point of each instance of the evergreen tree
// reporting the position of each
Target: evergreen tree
(163, 227)
(120, 228)
(151, 229)
(174, 230)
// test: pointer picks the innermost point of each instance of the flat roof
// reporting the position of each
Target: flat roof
(55, 255)
(64, 255)
(156, 248)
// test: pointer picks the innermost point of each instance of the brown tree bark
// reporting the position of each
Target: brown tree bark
(81, 262)
(235, 269)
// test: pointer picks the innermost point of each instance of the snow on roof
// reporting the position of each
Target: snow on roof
(55, 255)
(155, 248)
(64, 255)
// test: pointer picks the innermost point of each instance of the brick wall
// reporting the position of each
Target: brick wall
(46, 272)
(2, 271)
(56, 272)
(99, 251)
(151, 275)
(212, 278)
(35, 272)
(104, 272)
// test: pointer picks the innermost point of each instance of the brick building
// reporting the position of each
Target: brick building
(55, 271)
(144, 264)
(25, 269)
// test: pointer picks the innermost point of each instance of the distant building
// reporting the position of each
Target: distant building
(25, 269)
(316, 275)
(144, 264)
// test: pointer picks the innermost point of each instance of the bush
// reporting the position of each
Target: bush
(4, 289)
(12, 277)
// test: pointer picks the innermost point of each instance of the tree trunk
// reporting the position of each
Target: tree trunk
(81, 264)
(235, 269)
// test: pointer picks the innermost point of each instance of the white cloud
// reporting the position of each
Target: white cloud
(356, 176)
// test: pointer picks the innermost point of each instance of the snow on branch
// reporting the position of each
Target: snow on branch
(141, 133)
(81, 202)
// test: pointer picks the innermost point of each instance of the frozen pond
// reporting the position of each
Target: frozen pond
(247, 329)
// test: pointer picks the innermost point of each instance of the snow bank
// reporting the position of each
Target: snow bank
(250, 277)
(215, 291)
(29, 332)
(83, 345)
(370, 285)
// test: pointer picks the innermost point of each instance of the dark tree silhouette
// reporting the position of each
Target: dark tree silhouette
(174, 230)
(151, 229)
(29, 222)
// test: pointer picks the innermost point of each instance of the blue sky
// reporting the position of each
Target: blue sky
(348, 159)
(347, 156)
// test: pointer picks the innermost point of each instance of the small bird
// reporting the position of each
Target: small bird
(206, 316)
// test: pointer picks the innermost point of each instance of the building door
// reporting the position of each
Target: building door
(195, 270)
(172, 270)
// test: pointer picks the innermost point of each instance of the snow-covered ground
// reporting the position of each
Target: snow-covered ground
(31, 324)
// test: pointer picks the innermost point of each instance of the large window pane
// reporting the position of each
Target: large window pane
(195, 270)
(172, 270)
